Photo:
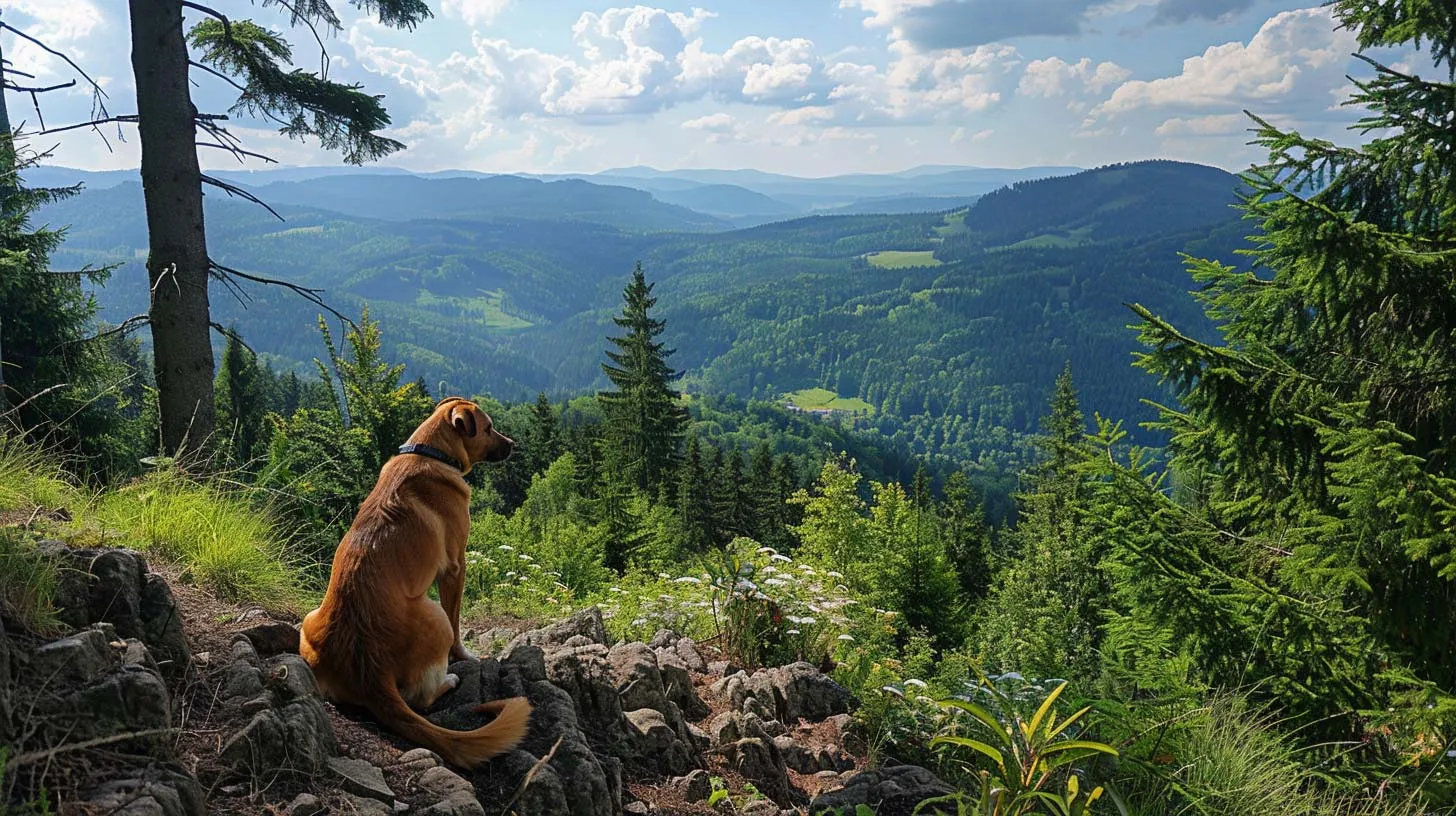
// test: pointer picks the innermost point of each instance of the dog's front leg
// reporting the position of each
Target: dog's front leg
(452, 589)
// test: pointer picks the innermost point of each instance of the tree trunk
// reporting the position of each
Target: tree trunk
(177, 266)
(6, 183)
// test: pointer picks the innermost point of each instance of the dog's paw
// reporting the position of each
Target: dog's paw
(452, 682)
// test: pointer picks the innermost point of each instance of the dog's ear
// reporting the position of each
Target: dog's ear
(462, 416)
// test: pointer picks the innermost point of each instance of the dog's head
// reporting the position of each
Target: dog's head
(482, 442)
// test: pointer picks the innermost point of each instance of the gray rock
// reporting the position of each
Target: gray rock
(832, 758)
(68, 662)
(158, 792)
(677, 684)
(722, 668)
(161, 627)
(691, 657)
(658, 744)
(272, 638)
(694, 787)
(802, 691)
(418, 760)
(796, 757)
(663, 638)
(760, 763)
(289, 678)
(296, 738)
(587, 624)
(760, 807)
(364, 806)
(240, 681)
(890, 790)
(530, 661)
(362, 779)
(636, 808)
(114, 586)
(304, 804)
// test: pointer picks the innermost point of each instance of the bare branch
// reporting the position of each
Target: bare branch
(24, 89)
(227, 25)
(124, 327)
(314, 296)
(128, 119)
(33, 397)
(239, 152)
(96, 87)
(234, 190)
(219, 74)
(232, 335)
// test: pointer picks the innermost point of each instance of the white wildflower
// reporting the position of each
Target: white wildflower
(782, 558)
(686, 579)
(915, 683)
(846, 638)
(506, 548)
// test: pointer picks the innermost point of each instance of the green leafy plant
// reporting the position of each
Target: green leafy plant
(1028, 755)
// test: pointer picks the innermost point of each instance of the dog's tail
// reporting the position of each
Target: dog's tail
(463, 749)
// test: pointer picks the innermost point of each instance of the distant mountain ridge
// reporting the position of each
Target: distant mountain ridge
(718, 199)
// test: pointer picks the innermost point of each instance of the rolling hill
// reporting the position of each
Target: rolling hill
(954, 351)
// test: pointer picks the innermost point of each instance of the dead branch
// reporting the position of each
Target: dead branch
(36, 756)
(314, 296)
(130, 119)
(234, 190)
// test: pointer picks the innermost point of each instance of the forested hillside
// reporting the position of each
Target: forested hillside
(476, 300)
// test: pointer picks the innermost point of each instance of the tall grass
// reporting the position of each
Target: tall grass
(223, 538)
(27, 583)
(29, 479)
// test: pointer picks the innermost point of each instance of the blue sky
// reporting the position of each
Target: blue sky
(808, 87)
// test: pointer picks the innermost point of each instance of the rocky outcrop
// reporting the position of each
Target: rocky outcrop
(788, 694)
(289, 730)
(603, 713)
(890, 791)
(116, 587)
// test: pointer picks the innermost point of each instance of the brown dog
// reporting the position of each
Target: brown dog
(377, 640)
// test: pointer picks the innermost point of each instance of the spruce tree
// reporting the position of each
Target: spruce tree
(644, 423)
(694, 502)
(729, 495)
(55, 383)
(967, 536)
(543, 441)
(1319, 425)
(242, 403)
(764, 514)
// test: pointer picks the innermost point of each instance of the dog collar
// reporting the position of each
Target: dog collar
(432, 453)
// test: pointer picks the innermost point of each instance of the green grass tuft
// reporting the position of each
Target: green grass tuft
(27, 583)
(219, 537)
(29, 479)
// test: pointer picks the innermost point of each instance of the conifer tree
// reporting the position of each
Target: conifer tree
(764, 512)
(730, 496)
(694, 504)
(967, 536)
(543, 441)
(50, 373)
(645, 424)
(242, 403)
(1319, 425)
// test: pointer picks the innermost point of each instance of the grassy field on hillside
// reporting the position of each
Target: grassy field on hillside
(486, 307)
(813, 398)
(896, 259)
